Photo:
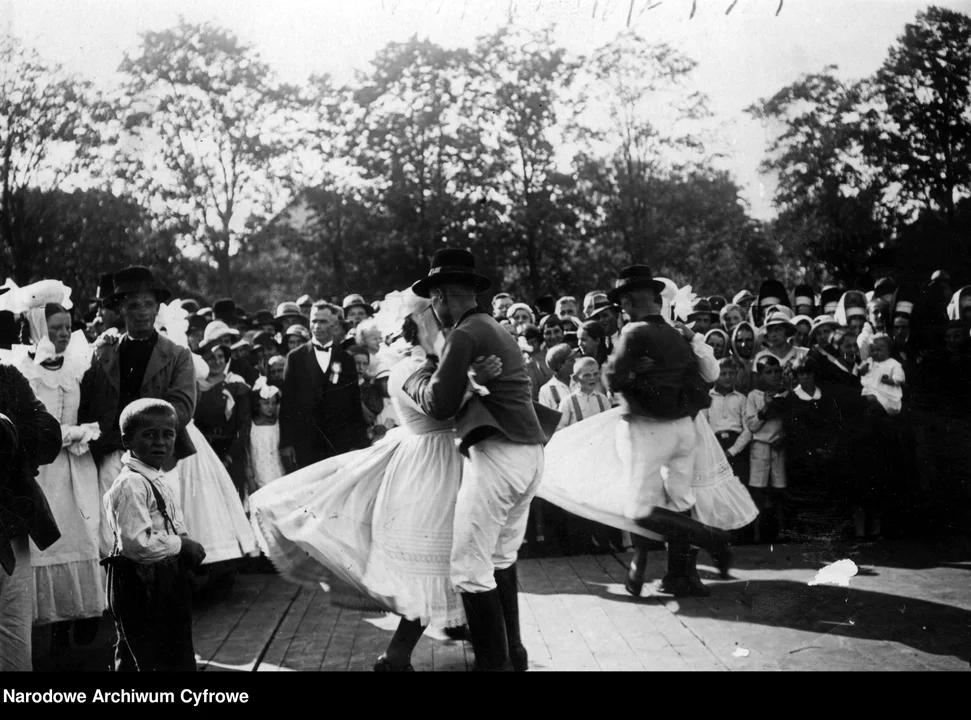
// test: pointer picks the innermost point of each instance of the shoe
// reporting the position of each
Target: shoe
(634, 587)
(722, 555)
(460, 633)
(697, 587)
(382, 665)
(679, 587)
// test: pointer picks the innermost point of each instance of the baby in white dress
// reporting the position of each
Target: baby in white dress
(884, 377)
(265, 460)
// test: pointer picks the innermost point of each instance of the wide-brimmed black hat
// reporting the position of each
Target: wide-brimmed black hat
(634, 277)
(225, 310)
(265, 317)
(197, 323)
(451, 265)
(131, 280)
(701, 306)
(190, 306)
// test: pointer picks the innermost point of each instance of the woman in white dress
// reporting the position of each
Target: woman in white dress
(211, 507)
(587, 470)
(68, 580)
(379, 520)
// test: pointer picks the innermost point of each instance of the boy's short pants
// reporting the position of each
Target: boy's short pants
(766, 465)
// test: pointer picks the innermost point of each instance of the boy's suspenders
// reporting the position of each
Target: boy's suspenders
(576, 405)
(555, 394)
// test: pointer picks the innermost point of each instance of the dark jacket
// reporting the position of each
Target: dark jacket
(508, 410)
(170, 376)
(29, 437)
(671, 387)
(318, 418)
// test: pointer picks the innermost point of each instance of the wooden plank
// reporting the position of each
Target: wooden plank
(634, 620)
(255, 630)
(540, 659)
(564, 639)
(448, 655)
(287, 633)
(213, 628)
(584, 603)
(371, 638)
(312, 636)
(690, 647)
(337, 655)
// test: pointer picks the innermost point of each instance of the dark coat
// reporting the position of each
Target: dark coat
(29, 437)
(170, 376)
(318, 418)
(508, 410)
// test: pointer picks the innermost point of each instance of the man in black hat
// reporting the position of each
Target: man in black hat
(607, 314)
(141, 364)
(502, 437)
(656, 371)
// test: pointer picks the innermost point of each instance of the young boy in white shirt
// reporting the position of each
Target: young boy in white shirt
(585, 401)
(767, 460)
(561, 359)
(726, 416)
(149, 595)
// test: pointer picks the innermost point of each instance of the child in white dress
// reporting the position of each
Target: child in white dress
(265, 463)
(884, 377)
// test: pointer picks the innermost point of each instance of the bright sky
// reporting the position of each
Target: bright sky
(748, 54)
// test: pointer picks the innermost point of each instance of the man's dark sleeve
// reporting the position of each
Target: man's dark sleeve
(440, 393)
(38, 430)
(288, 410)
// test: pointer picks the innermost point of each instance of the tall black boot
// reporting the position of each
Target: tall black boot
(508, 587)
(487, 631)
(676, 581)
(698, 588)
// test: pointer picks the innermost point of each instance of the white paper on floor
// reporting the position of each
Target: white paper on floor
(740, 652)
(839, 573)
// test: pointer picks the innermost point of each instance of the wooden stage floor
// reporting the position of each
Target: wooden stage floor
(909, 608)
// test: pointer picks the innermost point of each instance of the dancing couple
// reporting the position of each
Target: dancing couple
(426, 530)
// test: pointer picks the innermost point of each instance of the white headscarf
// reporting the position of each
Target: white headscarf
(31, 301)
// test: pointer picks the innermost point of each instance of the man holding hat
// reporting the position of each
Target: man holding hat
(656, 371)
(502, 437)
(141, 364)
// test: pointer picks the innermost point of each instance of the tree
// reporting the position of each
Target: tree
(207, 134)
(833, 206)
(925, 86)
(48, 122)
(518, 80)
(77, 235)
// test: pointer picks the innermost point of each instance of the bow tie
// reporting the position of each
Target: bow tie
(323, 348)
